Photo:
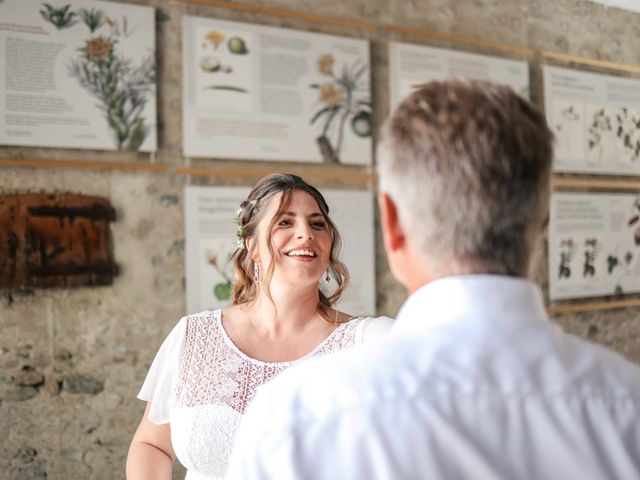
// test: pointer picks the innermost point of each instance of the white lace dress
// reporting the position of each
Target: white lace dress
(201, 384)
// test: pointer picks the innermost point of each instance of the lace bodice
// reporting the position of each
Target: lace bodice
(214, 372)
(202, 383)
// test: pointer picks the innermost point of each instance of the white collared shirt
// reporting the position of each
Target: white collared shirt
(473, 382)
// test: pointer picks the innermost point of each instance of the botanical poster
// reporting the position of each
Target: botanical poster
(413, 65)
(79, 74)
(594, 245)
(254, 92)
(595, 119)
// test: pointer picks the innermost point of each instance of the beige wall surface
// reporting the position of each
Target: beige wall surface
(71, 361)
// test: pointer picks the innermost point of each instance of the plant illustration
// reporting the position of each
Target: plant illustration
(122, 90)
(635, 208)
(591, 249)
(119, 27)
(628, 133)
(228, 88)
(216, 38)
(221, 290)
(600, 125)
(567, 247)
(93, 18)
(616, 261)
(567, 115)
(58, 17)
(344, 97)
(211, 64)
(237, 46)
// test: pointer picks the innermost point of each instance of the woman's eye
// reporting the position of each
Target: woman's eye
(284, 223)
(319, 225)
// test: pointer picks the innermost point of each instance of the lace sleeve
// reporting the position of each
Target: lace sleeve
(158, 387)
(373, 328)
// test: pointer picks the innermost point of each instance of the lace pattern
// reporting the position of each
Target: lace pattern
(214, 372)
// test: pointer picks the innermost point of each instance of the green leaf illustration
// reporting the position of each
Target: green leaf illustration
(222, 291)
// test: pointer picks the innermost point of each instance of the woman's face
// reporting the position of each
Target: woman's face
(300, 240)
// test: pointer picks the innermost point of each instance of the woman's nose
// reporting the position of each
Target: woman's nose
(304, 232)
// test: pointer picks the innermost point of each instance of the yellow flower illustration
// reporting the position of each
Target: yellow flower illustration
(98, 48)
(344, 102)
(214, 37)
(325, 64)
(330, 95)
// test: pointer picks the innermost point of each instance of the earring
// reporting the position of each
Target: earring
(256, 272)
(327, 277)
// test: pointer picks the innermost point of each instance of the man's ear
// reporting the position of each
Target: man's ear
(545, 222)
(392, 231)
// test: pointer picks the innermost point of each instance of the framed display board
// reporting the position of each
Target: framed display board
(78, 75)
(594, 245)
(596, 120)
(265, 93)
(412, 65)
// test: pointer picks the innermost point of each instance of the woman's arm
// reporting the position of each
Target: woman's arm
(151, 454)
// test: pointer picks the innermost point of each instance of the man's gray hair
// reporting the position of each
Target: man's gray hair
(468, 165)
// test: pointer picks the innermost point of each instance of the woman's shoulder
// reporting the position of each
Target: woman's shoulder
(206, 316)
(195, 325)
(370, 328)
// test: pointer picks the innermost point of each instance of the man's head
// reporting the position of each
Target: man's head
(464, 181)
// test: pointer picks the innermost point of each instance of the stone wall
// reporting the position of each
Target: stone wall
(71, 361)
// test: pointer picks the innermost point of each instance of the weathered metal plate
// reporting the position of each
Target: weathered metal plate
(55, 240)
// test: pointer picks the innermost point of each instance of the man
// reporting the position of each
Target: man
(474, 381)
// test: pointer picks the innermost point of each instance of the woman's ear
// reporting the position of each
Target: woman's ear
(251, 248)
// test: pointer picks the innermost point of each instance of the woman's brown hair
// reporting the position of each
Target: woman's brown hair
(251, 211)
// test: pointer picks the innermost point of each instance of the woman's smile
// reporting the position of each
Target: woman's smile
(302, 254)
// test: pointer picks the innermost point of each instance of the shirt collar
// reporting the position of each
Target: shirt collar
(471, 298)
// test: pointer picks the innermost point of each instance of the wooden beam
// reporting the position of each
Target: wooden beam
(561, 182)
(624, 67)
(593, 307)
(458, 39)
(83, 165)
(276, 12)
(245, 172)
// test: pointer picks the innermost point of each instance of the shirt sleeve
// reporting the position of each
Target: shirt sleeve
(373, 328)
(158, 387)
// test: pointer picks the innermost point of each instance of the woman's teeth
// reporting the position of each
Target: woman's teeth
(301, 253)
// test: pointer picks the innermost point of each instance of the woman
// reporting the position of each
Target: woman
(207, 370)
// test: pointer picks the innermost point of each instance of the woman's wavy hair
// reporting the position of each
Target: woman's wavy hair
(249, 215)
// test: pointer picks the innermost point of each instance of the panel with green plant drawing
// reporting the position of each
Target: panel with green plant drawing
(265, 93)
(594, 244)
(80, 74)
(595, 119)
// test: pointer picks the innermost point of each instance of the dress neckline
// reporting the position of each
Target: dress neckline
(217, 315)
